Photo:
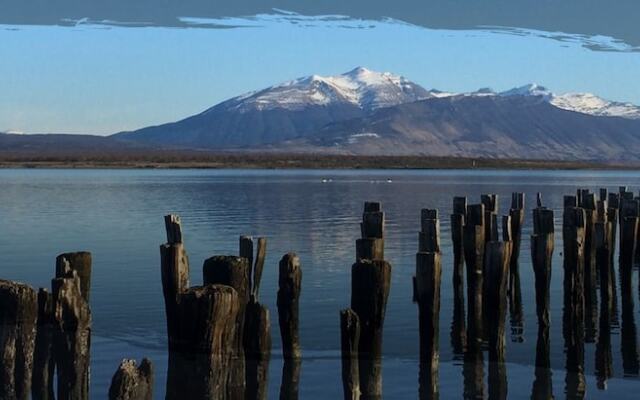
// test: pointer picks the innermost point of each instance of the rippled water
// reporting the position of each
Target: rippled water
(117, 215)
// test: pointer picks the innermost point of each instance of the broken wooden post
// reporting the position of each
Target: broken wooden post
(132, 382)
(18, 315)
(490, 202)
(427, 295)
(474, 244)
(497, 258)
(628, 328)
(204, 350)
(257, 350)
(289, 287)
(72, 339)
(516, 222)
(349, 339)
(371, 245)
(234, 272)
(590, 271)
(542, 246)
(246, 251)
(629, 215)
(81, 263)
(43, 361)
(573, 232)
(201, 328)
(458, 329)
(258, 266)
(370, 283)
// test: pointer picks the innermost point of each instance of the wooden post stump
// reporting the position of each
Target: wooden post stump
(289, 287)
(458, 328)
(234, 272)
(349, 339)
(257, 347)
(202, 324)
(474, 248)
(72, 339)
(18, 315)
(497, 260)
(289, 283)
(132, 382)
(370, 283)
(43, 361)
(427, 295)
(542, 246)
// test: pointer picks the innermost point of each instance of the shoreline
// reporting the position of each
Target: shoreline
(293, 161)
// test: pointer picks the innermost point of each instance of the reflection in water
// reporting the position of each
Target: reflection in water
(290, 379)
(542, 384)
(628, 332)
(473, 374)
(516, 318)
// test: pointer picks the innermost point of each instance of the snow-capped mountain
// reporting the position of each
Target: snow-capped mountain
(588, 103)
(585, 103)
(360, 87)
(368, 112)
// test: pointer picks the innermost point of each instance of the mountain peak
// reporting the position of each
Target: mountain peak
(360, 87)
(530, 89)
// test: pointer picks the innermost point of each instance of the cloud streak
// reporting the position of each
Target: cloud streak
(601, 25)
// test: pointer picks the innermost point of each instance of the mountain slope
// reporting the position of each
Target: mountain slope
(285, 111)
(485, 126)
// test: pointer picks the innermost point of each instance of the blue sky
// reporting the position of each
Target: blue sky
(103, 79)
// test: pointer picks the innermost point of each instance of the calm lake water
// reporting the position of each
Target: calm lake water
(118, 216)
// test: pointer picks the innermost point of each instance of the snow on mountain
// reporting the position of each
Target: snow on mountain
(361, 87)
(532, 89)
(588, 103)
(585, 103)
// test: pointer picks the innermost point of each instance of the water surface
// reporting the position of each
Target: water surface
(117, 215)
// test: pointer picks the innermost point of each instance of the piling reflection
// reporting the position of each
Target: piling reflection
(516, 315)
(290, 379)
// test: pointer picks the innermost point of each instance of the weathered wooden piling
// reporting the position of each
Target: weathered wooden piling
(370, 283)
(427, 295)
(516, 212)
(81, 263)
(497, 258)
(289, 287)
(474, 248)
(573, 232)
(234, 272)
(257, 349)
(629, 225)
(458, 329)
(542, 246)
(542, 388)
(490, 202)
(43, 361)
(349, 339)
(514, 293)
(371, 245)
(18, 315)
(72, 337)
(628, 328)
(132, 382)
(588, 204)
(201, 327)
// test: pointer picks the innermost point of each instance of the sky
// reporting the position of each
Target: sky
(102, 78)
